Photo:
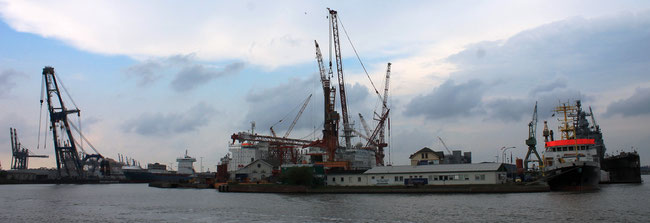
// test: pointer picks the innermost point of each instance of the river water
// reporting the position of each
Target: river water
(140, 203)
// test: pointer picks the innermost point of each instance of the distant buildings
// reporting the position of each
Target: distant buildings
(426, 156)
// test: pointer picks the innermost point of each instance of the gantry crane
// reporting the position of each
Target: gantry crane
(532, 142)
(20, 154)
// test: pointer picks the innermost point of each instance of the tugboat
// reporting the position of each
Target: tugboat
(573, 162)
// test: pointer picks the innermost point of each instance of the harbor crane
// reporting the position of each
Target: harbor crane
(347, 129)
(330, 140)
(531, 142)
(68, 161)
(295, 120)
(20, 154)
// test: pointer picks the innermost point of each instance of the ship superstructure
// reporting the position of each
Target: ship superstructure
(573, 161)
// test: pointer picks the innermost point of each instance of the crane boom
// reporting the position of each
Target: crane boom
(347, 130)
(302, 109)
(444, 145)
(364, 124)
(382, 136)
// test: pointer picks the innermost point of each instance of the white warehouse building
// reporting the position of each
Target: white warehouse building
(445, 174)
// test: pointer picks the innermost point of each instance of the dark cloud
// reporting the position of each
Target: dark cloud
(159, 124)
(637, 104)
(188, 73)
(191, 76)
(282, 102)
(146, 73)
(448, 100)
(7, 80)
(602, 52)
(509, 109)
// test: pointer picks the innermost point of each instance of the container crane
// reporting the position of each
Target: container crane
(20, 154)
(532, 142)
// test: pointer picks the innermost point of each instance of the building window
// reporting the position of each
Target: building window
(358, 179)
(430, 177)
(252, 159)
(426, 155)
(422, 155)
(396, 178)
(342, 179)
(479, 177)
(382, 177)
(401, 178)
(373, 177)
(333, 179)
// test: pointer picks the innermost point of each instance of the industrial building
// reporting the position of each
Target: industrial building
(450, 174)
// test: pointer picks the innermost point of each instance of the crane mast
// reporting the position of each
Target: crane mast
(331, 120)
(347, 130)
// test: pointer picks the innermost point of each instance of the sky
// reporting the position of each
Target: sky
(156, 78)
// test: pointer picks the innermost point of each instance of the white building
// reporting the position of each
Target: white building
(242, 154)
(256, 171)
(448, 174)
(186, 164)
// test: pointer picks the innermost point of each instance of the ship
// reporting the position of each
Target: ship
(573, 162)
(158, 172)
(624, 167)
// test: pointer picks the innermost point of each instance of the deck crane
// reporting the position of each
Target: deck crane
(347, 130)
(532, 142)
(330, 141)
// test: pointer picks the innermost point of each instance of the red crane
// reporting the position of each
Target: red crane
(347, 130)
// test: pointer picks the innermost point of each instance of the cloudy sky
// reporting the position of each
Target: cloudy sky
(154, 78)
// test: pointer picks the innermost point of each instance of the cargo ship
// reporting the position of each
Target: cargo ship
(624, 167)
(573, 161)
(158, 172)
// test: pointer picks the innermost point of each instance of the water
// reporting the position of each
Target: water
(140, 203)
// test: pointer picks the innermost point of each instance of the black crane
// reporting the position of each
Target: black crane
(20, 154)
(69, 162)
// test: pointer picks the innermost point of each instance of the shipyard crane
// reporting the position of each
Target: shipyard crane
(532, 142)
(347, 130)
(295, 120)
(331, 118)
(20, 154)
(379, 151)
(68, 161)
(445, 145)
(364, 124)
(384, 111)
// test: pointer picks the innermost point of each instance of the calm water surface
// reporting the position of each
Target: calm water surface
(140, 203)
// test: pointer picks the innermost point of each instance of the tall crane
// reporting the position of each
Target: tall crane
(384, 110)
(532, 141)
(68, 161)
(20, 154)
(295, 120)
(330, 141)
(364, 124)
(347, 130)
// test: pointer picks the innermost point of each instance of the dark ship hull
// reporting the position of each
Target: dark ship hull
(574, 178)
(623, 168)
(147, 177)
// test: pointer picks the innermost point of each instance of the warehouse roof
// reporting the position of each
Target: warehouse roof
(465, 167)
